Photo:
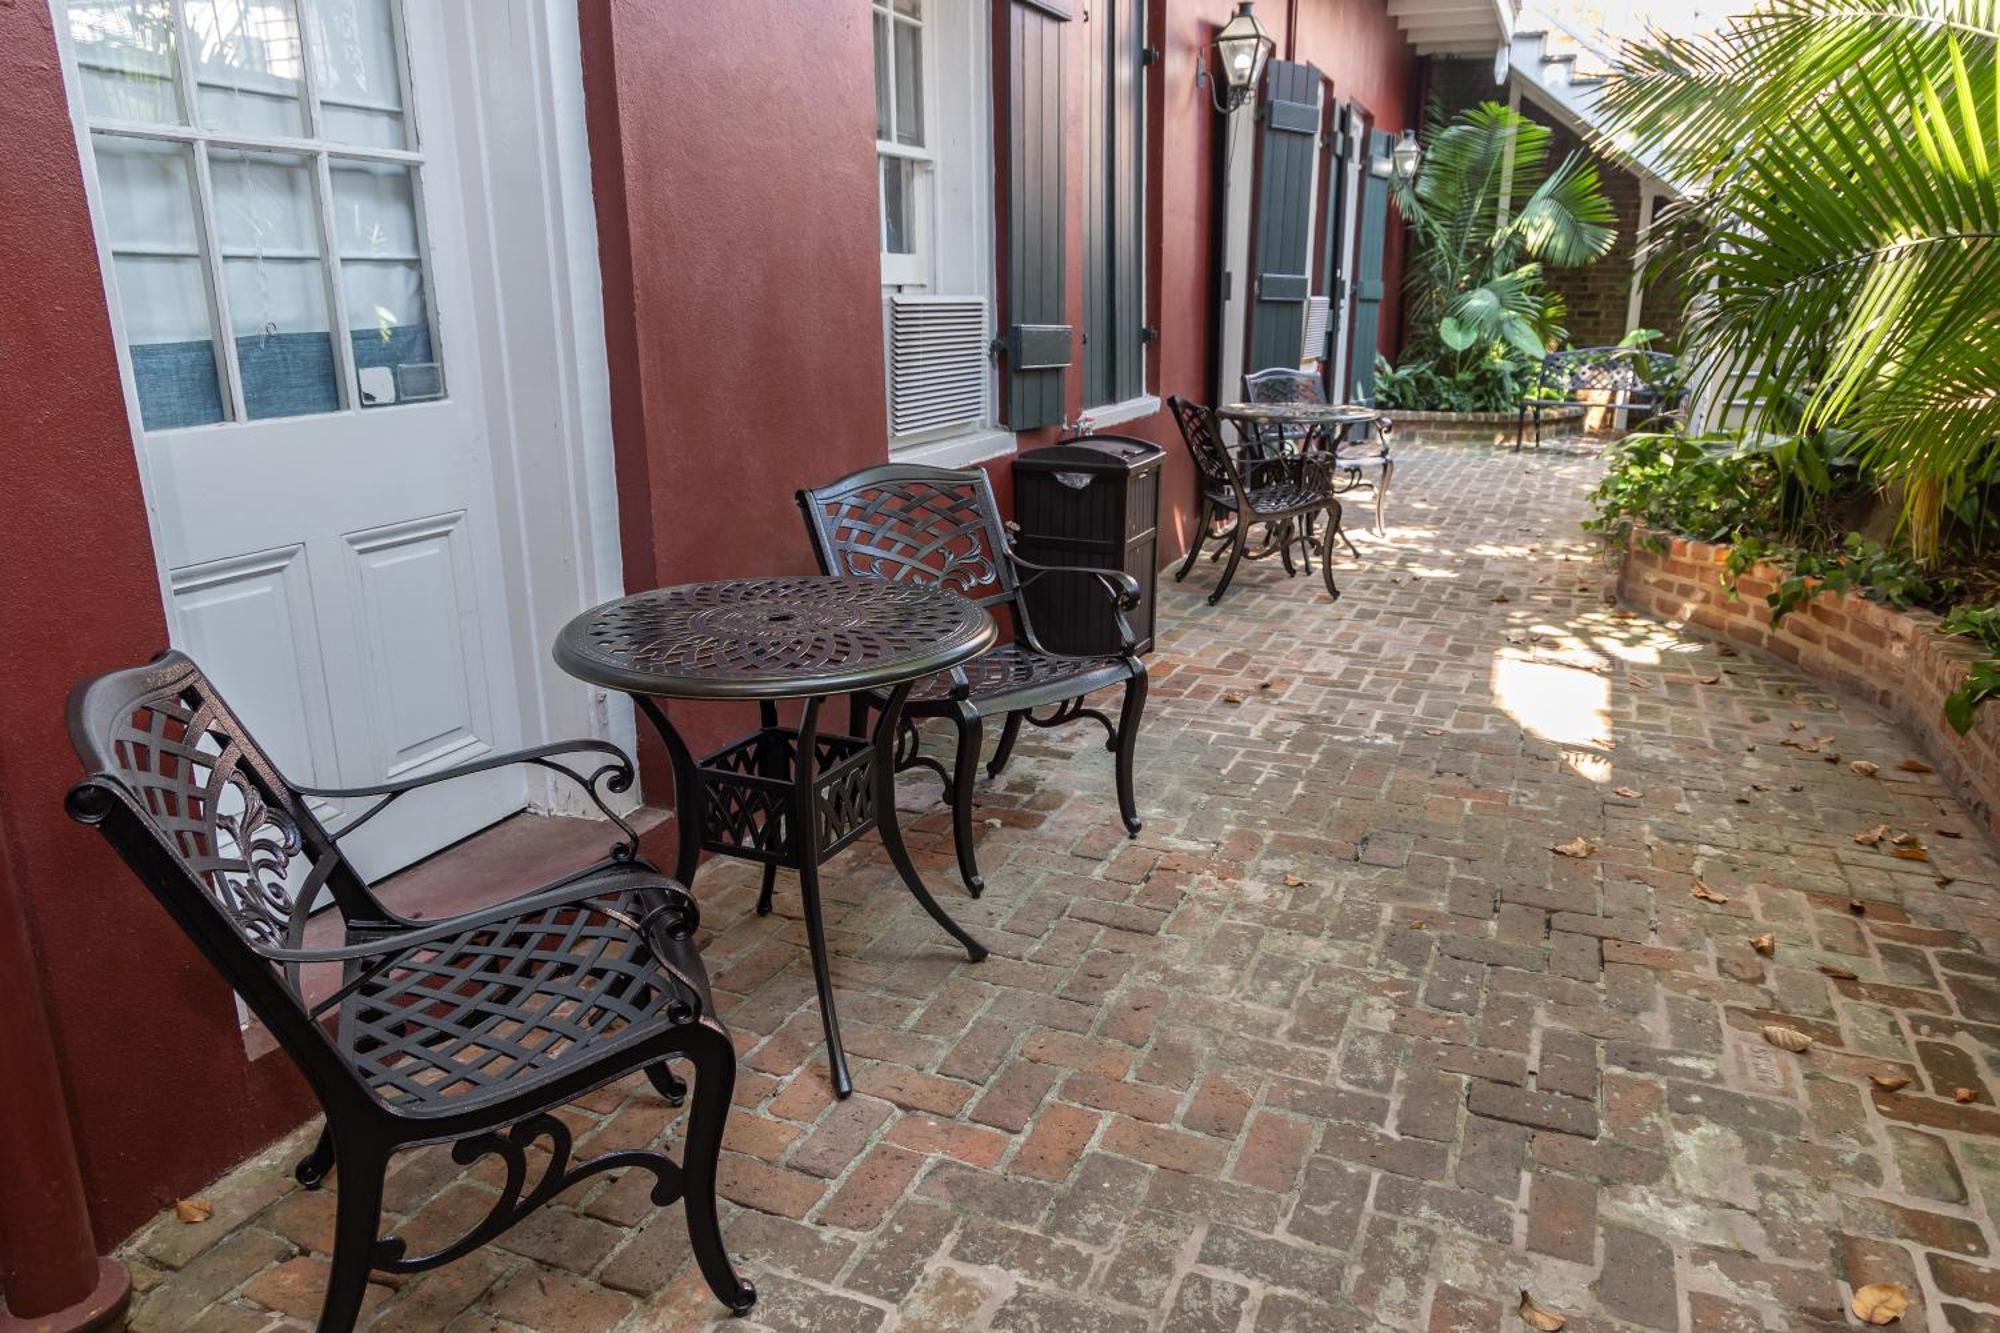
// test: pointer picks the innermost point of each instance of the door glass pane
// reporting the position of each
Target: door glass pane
(899, 222)
(149, 212)
(382, 274)
(125, 58)
(909, 84)
(248, 65)
(354, 55)
(882, 113)
(267, 224)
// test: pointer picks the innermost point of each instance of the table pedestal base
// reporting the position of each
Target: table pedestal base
(790, 798)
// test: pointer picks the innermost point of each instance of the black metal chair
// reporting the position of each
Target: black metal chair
(1280, 493)
(1357, 462)
(904, 522)
(469, 1030)
(1628, 379)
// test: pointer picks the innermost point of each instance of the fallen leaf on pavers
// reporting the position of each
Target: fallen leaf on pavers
(1420, 925)
(1629, 793)
(1907, 840)
(1724, 650)
(1787, 1039)
(1944, 881)
(1864, 768)
(1798, 726)
(1433, 731)
(992, 823)
(1839, 973)
(1911, 853)
(1763, 786)
(1232, 698)
(1890, 1082)
(1706, 894)
(1709, 680)
(1502, 599)
(193, 1210)
(1743, 798)
(1803, 747)
(1870, 837)
(1880, 1303)
(1638, 682)
(1578, 847)
(1965, 1094)
(1538, 1316)
(1832, 758)
(1915, 766)
(1856, 906)
(1766, 944)
(1944, 832)
(1265, 684)
(1296, 881)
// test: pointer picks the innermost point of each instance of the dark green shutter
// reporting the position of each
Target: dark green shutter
(1035, 345)
(1114, 223)
(1287, 159)
(1374, 227)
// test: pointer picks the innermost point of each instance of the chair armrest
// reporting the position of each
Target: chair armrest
(616, 775)
(1121, 587)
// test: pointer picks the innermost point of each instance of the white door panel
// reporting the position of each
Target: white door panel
(292, 294)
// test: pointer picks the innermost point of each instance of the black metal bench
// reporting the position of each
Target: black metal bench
(470, 1030)
(1620, 378)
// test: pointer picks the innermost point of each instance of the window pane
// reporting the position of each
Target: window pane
(883, 122)
(914, 8)
(267, 223)
(899, 222)
(354, 55)
(246, 61)
(382, 275)
(149, 212)
(909, 84)
(125, 56)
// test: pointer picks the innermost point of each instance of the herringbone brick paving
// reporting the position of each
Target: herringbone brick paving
(1339, 1042)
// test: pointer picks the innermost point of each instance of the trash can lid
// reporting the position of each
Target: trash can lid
(1092, 453)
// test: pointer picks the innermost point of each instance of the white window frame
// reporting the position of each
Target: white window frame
(956, 236)
(912, 269)
(318, 152)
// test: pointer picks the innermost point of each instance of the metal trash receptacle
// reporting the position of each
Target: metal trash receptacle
(1091, 500)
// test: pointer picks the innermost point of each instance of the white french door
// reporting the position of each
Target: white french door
(277, 202)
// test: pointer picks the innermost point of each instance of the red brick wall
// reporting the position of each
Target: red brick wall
(1895, 659)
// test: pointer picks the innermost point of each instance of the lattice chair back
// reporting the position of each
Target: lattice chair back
(1279, 385)
(905, 523)
(200, 813)
(1203, 437)
(1626, 370)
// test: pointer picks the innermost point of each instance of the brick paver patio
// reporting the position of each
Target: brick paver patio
(1339, 1042)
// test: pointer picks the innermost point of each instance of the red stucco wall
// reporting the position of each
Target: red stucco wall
(160, 1092)
(736, 205)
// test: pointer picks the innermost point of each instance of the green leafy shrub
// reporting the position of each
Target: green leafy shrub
(1982, 682)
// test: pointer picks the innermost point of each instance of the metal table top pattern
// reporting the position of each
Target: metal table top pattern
(773, 638)
(1299, 414)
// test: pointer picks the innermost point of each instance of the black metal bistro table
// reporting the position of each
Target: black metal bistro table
(786, 796)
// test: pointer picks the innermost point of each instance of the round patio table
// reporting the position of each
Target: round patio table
(785, 796)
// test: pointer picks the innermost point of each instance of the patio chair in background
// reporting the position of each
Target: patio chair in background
(905, 522)
(470, 1030)
(1281, 493)
(1359, 462)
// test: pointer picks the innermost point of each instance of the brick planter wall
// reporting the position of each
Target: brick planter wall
(1558, 424)
(1895, 659)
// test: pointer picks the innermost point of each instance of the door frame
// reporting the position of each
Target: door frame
(515, 85)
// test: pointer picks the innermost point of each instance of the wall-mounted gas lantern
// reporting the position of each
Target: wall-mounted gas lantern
(1239, 50)
(1406, 157)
